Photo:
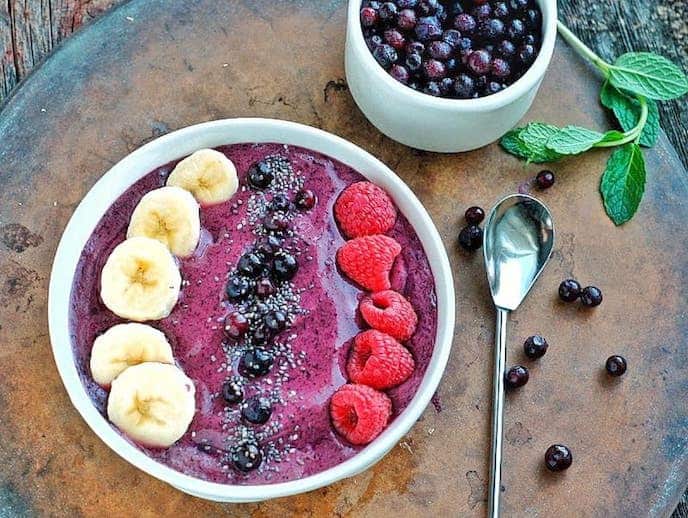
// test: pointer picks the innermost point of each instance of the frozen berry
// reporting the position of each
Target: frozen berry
(256, 362)
(500, 68)
(479, 62)
(388, 12)
(389, 312)
(386, 55)
(616, 365)
(268, 246)
(591, 296)
(526, 55)
(394, 38)
(399, 73)
(305, 199)
(284, 266)
(434, 69)
(500, 10)
(359, 413)
(558, 457)
(452, 37)
(516, 30)
(465, 24)
(276, 222)
(428, 28)
(516, 377)
(491, 28)
(569, 290)
(535, 347)
(232, 392)
(428, 7)
(256, 410)
(260, 175)
(464, 86)
(406, 19)
(433, 88)
(414, 62)
(481, 12)
(368, 260)
(238, 287)
(545, 179)
(506, 49)
(236, 325)
(368, 17)
(415, 47)
(471, 238)
(474, 215)
(246, 456)
(439, 50)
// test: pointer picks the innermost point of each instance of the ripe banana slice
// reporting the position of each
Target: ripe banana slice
(152, 403)
(208, 174)
(140, 280)
(170, 215)
(126, 345)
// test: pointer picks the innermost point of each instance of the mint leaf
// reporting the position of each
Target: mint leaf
(627, 112)
(612, 135)
(649, 75)
(572, 140)
(623, 183)
(512, 143)
(535, 137)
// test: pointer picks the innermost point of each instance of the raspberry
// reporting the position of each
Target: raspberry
(379, 361)
(364, 209)
(359, 413)
(391, 313)
(368, 260)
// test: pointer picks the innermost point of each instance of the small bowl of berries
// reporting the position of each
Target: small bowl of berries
(447, 75)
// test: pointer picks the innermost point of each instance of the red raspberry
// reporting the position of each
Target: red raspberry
(368, 261)
(391, 313)
(379, 361)
(359, 413)
(364, 209)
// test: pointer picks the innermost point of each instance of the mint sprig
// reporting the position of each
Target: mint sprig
(632, 85)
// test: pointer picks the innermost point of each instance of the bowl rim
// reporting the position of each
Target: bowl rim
(211, 134)
(524, 84)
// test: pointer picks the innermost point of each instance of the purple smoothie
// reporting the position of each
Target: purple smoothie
(298, 439)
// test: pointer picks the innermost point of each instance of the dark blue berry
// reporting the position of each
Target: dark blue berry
(399, 73)
(386, 55)
(569, 290)
(276, 321)
(256, 362)
(250, 265)
(232, 392)
(516, 30)
(256, 410)
(388, 12)
(526, 55)
(558, 457)
(440, 50)
(305, 199)
(491, 29)
(616, 365)
(465, 24)
(479, 62)
(500, 68)
(280, 202)
(428, 28)
(480, 12)
(535, 347)
(427, 7)
(246, 456)
(407, 19)
(415, 47)
(446, 85)
(451, 36)
(237, 288)
(545, 179)
(471, 238)
(591, 296)
(474, 215)
(236, 325)
(268, 246)
(432, 88)
(260, 175)
(506, 49)
(414, 62)
(434, 69)
(464, 86)
(493, 87)
(516, 377)
(501, 10)
(284, 266)
(276, 223)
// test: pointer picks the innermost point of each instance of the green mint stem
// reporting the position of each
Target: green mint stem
(634, 133)
(582, 49)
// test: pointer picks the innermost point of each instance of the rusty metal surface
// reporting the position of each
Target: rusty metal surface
(153, 66)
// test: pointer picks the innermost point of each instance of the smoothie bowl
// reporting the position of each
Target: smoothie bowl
(250, 308)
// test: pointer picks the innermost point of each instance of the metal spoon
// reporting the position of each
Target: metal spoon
(519, 236)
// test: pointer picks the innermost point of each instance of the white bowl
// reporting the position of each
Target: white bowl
(432, 123)
(211, 134)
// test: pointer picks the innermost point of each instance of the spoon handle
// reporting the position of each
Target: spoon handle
(497, 413)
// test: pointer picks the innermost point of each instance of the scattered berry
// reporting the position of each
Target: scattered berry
(265, 288)
(359, 413)
(276, 321)
(256, 410)
(284, 266)
(591, 296)
(535, 347)
(368, 260)
(545, 179)
(305, 199)
(280, 203)
(256, 362)
(569, 290)
(236, 325)
(237, 287)
(616, 365)
(389, 312)
(232, 392)
(260, 175)
(558, 457)
(246, 456)
(379, 361)
(516, 377)
(250, 265)
(364, 209)
(471, 238)
(474, 215)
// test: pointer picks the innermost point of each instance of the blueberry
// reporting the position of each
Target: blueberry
(432, 88)
(434, 69)
(518, 5)
(535, 347)
(440, 50)
(446, 85)
(284, 266)
(399, 73)
(464, 86)
(250, 265)
(452, 66)
(480, 12)
(237, 288)
(276, 321)
(526, 54)
(506, 49)
(428, 28)
(491, 28)
(500, 68)
(395, 39)
(246, 456)
(479, 62)
(261, 335)
(374, 41)
(616, 365)
(516, 377)
(232, 391)
(480, 83)
(558, 457)
(407, 4)
(533, 19)
(414, 62)
(385, 55)
(454, 8)
(516, 30)
(465, 24)
(276, 223)
(451, 36)
(407, 19)
(265, 288)
(388, 12)
(493, 87)
(256, 362)
(260, 175)
(500, 10)
(236, 325)
(256, 410)
(591, 296)
(305, 199)
(428, 7)
(415, 47)
(471, 238)
(474, 215)
(545, 179)
(268, 246)
(569, 290)
(530, 39)
(280, 202)
(368, 17)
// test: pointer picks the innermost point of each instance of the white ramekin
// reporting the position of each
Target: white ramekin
(183, 142)
(432, 123)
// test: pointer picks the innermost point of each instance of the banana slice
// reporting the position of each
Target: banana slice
(126, 345)
(140, 280)
(170, 215)
(153, 403)
(208, 174)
